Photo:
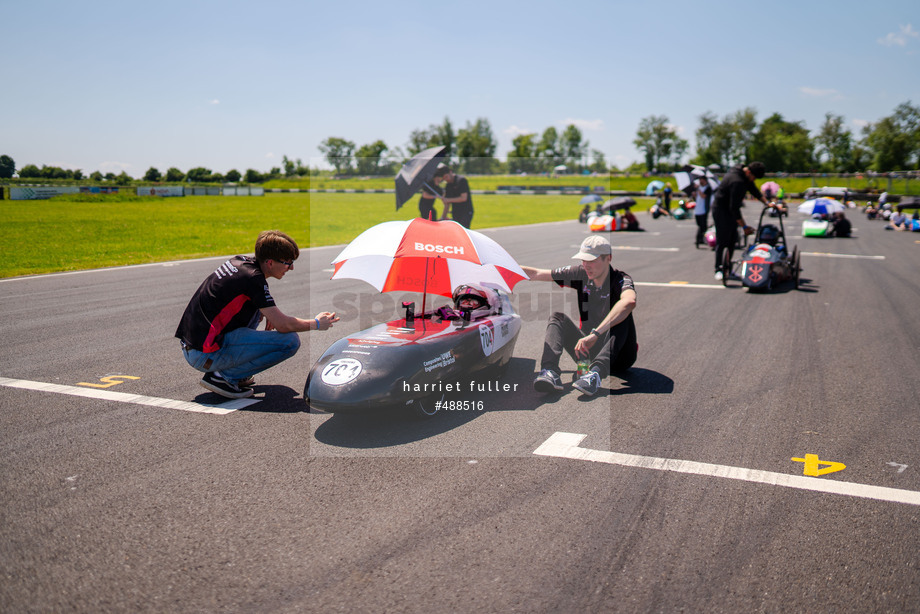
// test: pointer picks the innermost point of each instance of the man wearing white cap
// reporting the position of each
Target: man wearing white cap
(606, 334)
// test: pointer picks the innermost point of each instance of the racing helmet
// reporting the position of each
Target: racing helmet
(475, 301)
(769, 234)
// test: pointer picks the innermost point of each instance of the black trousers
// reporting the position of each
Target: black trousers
(615, 351)
(726, 237)
(426, 210)
(463, 216)
(702, 223)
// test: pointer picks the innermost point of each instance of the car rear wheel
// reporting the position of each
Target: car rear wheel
(796, 267)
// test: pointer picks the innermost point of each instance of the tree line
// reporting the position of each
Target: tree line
(890, 144)
(471, 149)
(198, 174)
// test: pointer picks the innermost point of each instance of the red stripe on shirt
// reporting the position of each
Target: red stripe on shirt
(220, 322)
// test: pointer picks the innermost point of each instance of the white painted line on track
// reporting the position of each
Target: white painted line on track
(645, 249)
(108, 269)
(123, 397)
(631, 248)
(679, 284)
(565, 445)
(853, 256)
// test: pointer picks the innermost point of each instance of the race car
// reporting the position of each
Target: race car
(605, 223)
(767, 262)
(418, 360)
(815, 228)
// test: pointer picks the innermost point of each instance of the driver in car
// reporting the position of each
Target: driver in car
(474, 302)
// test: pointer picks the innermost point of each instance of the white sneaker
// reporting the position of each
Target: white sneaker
(718, 275)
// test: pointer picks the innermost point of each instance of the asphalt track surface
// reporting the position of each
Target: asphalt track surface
(674, 490)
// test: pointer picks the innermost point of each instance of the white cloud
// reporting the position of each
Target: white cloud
(596, 125)
(269, 155)
(860, 123)
(818, 92)
(515, 130)
(215, 101)
(900, 38)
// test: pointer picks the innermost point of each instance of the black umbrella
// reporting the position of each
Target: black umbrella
(620, 202)
(690, 173)
(416, 173)
(590, 199)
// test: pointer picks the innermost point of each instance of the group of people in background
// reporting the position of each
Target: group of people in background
(895, 216)
(455, 196)
(898, 220)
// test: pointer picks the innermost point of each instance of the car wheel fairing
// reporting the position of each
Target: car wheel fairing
(726, 268)
(427, 407)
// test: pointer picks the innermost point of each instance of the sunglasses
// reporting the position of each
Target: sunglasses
(289, 264)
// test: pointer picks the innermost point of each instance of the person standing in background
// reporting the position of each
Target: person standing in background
(457, 198)
(703, 195)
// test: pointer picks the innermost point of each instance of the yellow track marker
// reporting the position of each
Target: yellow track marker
(811, 465)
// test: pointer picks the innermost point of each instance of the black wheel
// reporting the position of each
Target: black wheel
(796, 266)
(726, 267)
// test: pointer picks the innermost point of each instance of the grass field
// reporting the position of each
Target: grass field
(89, 231)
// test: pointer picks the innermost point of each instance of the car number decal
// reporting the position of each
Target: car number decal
(341, 371)
(487, 336)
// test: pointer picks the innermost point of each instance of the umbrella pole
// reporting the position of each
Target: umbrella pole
(424, 290)
(434, 191)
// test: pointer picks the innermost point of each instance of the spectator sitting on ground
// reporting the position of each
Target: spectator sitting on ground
(898, 221)
(632, 223)
(656, 210)
(840, 226)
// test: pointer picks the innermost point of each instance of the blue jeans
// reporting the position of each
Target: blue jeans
(245, 352)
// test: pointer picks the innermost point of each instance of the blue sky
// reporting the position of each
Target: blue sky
(112, 86)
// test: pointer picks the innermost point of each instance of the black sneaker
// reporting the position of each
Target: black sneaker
(215, 383)
(589, 383)
(547, 381)
(249, 382)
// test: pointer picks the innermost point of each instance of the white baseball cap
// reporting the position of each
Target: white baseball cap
(592, 247)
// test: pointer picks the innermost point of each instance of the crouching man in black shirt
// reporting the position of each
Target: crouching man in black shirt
(606, 334)
(218, 329)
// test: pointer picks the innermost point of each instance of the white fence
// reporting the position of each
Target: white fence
(41, 192)
(244, 191)
(163, 190)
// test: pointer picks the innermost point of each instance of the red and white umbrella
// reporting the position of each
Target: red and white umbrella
(425, 256)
